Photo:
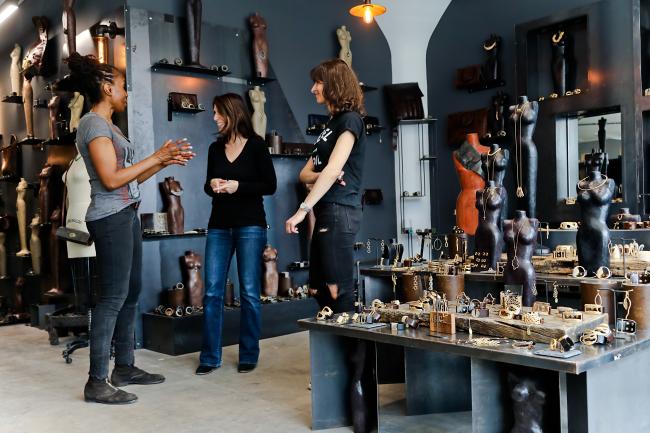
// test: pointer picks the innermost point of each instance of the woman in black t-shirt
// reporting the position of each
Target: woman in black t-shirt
(334, 173)
(240, 172)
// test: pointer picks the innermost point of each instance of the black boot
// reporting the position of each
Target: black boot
(132, 375)
(100, 391)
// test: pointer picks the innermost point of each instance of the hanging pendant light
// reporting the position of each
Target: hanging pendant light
(367, 11)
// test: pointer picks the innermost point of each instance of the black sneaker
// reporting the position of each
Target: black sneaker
(132, 375)
(204, 369)
(105, 393)
(246, 368)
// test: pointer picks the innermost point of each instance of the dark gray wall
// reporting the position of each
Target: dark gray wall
(456, 43)
(298, 41)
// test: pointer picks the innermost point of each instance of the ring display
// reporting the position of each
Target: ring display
(579, 272)
(603, 273)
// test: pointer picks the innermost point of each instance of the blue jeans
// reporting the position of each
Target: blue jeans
(248, 242)
(118, 242)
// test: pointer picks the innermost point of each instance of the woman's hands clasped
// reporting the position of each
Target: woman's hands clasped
(224, 186)
(177, 152)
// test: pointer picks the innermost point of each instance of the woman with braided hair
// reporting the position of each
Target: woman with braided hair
(112, 221)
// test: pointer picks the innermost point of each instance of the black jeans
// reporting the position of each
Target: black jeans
(331, 259)
(118, 243)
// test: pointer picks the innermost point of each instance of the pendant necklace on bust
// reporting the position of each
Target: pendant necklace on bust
(591, 188)
(490, 167)
(515, 259)
(519, 112)
(491, 191)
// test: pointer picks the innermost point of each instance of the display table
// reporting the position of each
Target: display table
(605, 389)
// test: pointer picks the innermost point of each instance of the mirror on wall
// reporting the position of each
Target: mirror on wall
(580, 135)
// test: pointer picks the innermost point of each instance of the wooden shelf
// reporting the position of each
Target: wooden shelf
(417, 121)
(428, 158)
(13, 99)
(259, 81)
(170, 67)
(366, 88)
(64, 140)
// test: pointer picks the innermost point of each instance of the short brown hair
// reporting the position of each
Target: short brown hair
(341, 87)
(238, 119)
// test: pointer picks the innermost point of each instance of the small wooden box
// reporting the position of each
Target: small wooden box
(442, 321)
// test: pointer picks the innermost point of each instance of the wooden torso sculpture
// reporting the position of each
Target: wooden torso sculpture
(175, 214)
(467, 161)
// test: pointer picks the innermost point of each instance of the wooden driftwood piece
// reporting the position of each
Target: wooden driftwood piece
(553, 326)
(494, 326)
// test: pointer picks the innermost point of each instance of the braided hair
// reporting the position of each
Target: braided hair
(88, 74)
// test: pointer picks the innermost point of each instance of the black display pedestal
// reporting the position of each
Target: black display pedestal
(180, 335)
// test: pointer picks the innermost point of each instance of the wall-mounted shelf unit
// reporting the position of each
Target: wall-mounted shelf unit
(170, 67)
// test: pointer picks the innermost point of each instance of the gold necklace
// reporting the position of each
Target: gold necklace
(557, 37)
(491, 190)
(519, 111)
(490, 167)
(515, 259)
(593, 187)
(490, 47)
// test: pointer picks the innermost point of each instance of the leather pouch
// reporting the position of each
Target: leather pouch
(73, 235)
(466, 122)
(468, 77)
(404, 101)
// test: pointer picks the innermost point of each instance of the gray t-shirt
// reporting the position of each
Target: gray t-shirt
(103, 202)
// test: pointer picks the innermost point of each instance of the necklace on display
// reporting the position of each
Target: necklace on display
(490, 167)
(519, 113)
(491, 191)
(557, 36)
(591, 188)
(515, 259)
(490, 47)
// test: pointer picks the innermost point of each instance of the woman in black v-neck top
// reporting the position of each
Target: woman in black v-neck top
(240, 172)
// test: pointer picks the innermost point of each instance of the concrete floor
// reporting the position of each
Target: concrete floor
(39, 392)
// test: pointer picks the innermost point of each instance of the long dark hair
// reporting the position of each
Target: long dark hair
(238, 119)
(341, 87)
(88, 74)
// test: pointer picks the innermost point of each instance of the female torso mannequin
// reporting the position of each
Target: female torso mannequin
(175, 213)
(494, 165)
(192, 263)
(258, 99)
(32, 66)
(345, 38)
(194, 9)
(524, 117)
(53, 107)
(520, 235)
(11, 159)
(594, 195)
(471, 181)
(562, 63)
(14, 71)
(76, 106)
(489, 241)
(260, 46)
(77, 182)
(70, 25)
(35, 245)
(492, 48)
(21, 213)
(44, 193)
(497, 119)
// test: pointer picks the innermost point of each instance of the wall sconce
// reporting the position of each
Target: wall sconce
(368, 11)
(100, 34)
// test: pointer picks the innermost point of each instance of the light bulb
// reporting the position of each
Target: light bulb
(367, 15)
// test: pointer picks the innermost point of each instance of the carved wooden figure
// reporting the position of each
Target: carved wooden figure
(260, 45)
(175, 215)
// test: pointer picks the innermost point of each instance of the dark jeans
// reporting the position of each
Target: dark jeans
(248, 243)
(118, 243)
(331, 258)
